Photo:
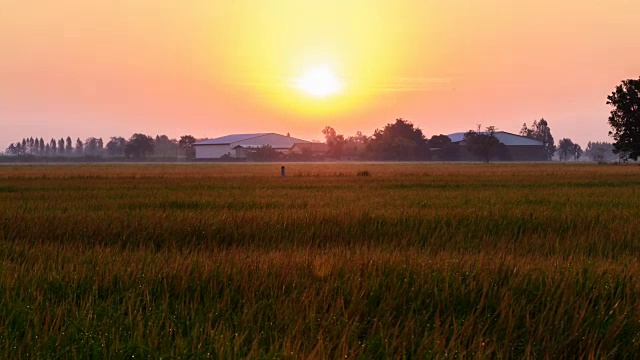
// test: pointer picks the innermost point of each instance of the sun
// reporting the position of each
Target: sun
(319, 81)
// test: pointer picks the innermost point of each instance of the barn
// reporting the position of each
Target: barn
(236, 145)
(519, 148)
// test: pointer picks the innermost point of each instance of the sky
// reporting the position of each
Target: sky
(107, 68)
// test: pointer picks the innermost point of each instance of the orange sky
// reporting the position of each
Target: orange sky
(113, 67)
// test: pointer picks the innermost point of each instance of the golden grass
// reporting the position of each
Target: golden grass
(415, 260)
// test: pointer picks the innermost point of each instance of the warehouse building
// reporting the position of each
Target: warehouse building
(237, 146)
(518, 148)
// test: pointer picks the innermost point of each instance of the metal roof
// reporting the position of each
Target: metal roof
(228, 139)
(274, 140)
(504, 137)
(255, 146)
(456, 137)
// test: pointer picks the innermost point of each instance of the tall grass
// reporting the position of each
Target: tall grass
(230, 261)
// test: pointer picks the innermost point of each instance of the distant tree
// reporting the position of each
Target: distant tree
(165, 147)
(186, 144)
(335, 142)
(484, 145)
(577, 152)
(139, 146)
(21, 148)
(47, 149)
(566, 149)
(116, 146)
(16, 149)
(79, 147)
(263, 153)
(100, 146)
(32, 145)
(439, 141)
(61, 146)
(69, 147)
(359, 138)
(91, 146)
(42, 146)
(53, 145)
(399, 141)
(12, 149)
(540, 131)
(355, 147)
(625, 119)
(525, 131)
(129, 151)
(442, 149)
(600, 152)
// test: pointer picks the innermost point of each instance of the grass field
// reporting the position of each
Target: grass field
(402, 261)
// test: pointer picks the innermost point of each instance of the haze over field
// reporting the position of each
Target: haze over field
(105, 68)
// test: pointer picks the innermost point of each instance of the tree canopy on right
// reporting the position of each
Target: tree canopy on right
(625, 119)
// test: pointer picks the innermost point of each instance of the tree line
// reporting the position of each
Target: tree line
(138, 146)
(403, 141)
(399, 140)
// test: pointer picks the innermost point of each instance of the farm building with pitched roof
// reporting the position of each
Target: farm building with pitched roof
(518, 148)
(237, 145)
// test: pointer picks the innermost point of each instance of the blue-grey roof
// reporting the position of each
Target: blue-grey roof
(506, 138)
(456, 137)
(229, 139)
(274, 140)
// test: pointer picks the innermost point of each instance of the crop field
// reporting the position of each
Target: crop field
(342, 260)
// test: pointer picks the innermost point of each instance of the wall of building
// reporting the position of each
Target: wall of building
(212, 151)
(513, 153)
(527, 153)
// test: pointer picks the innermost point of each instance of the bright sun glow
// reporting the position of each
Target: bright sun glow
(319, 81)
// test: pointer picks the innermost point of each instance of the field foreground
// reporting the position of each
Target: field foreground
(362, 260)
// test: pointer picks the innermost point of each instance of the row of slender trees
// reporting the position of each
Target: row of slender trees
(138, 146)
